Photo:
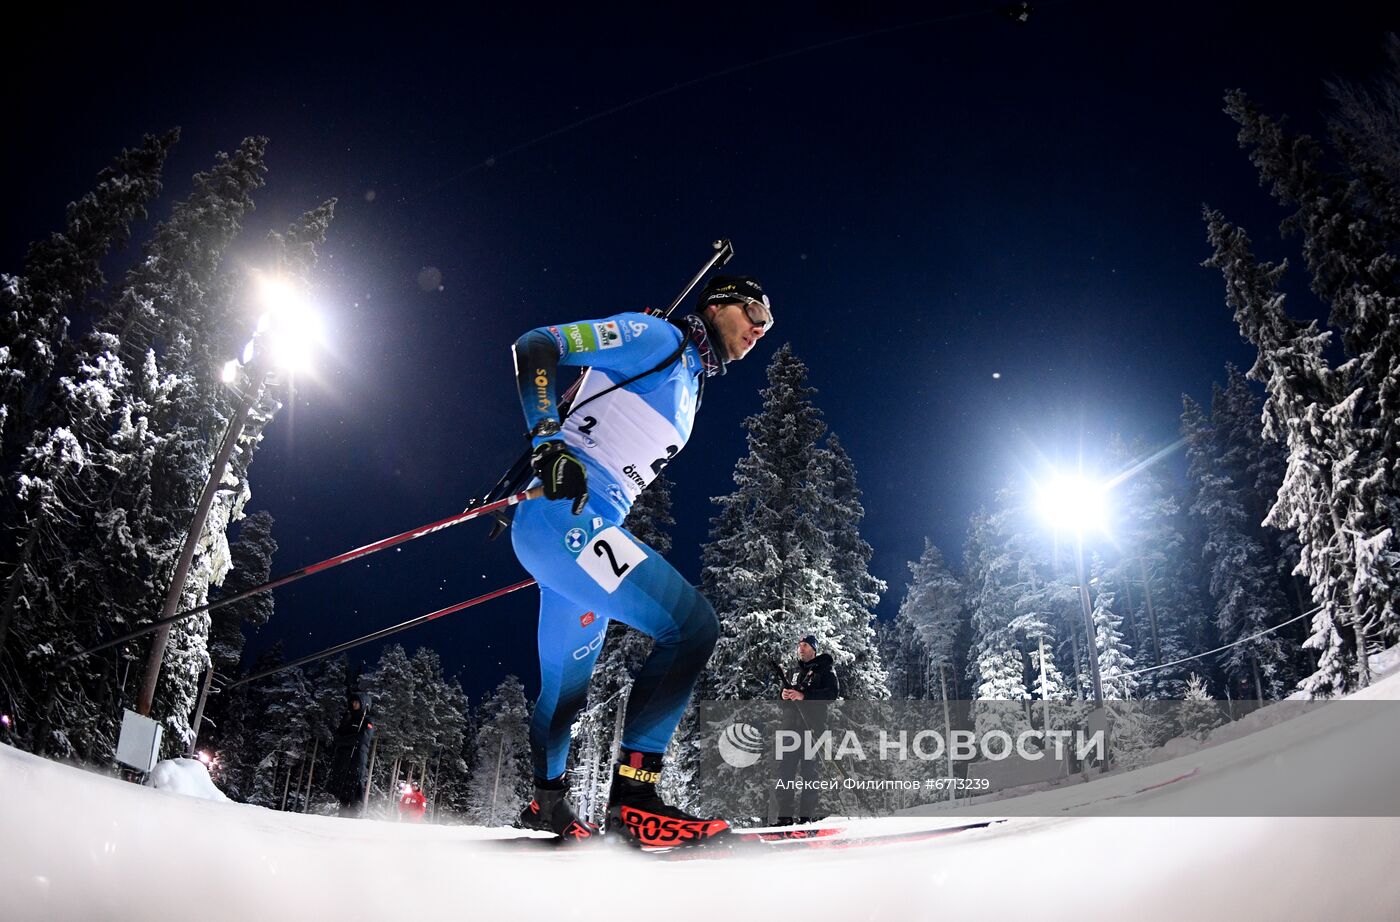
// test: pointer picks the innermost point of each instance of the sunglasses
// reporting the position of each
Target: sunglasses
(758, 312)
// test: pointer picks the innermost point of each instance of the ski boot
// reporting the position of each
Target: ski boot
(638, 813)
(550, 811)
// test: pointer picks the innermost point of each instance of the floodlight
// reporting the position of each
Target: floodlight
(1074, 503)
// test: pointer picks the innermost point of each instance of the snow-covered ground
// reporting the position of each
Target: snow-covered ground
(75, 845)
(185, 776)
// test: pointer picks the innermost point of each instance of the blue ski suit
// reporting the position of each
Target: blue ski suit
(589, 568)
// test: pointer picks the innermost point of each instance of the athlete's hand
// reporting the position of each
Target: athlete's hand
(562, 474)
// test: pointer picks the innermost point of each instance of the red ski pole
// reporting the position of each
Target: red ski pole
(385, 632)
(328, 563)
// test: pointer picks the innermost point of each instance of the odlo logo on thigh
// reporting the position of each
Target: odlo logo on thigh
(592, 646)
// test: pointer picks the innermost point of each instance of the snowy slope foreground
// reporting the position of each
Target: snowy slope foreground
(74, 845)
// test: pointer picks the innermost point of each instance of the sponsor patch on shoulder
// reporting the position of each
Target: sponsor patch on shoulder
(580, 338)
(608, 334)
(574, 539)
(559, 341)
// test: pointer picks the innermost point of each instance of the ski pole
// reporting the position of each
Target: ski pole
(328, 563)
(385, 632)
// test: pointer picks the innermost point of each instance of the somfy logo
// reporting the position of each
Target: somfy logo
(740, 745)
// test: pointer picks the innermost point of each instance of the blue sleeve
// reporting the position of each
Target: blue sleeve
(625, 344)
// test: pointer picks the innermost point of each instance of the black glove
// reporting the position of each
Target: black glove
(562, 474)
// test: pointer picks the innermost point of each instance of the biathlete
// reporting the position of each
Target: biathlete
(632, 414)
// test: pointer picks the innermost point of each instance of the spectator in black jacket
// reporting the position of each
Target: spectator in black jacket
(350, 755)
(812, 680)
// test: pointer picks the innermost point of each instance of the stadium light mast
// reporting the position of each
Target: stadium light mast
(286, 334)
(1078, 505)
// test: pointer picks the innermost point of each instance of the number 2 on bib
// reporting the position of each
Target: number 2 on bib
(610, 558)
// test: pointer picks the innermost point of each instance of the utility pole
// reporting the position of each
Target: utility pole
(192, 537)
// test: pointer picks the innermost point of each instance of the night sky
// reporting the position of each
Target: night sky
(933, 196)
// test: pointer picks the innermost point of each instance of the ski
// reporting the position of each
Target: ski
(748, 841)
(827, 837)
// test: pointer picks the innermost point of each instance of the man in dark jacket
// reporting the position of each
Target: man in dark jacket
(812, 680)
(350, 755)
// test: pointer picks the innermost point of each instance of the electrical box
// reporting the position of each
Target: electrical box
(138, 746)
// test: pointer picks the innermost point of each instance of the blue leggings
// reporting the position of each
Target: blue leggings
(623, 579)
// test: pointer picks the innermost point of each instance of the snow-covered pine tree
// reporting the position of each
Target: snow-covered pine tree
(1157, 573)
(501, 779)
(52, 589)
(1308, 409)
(264, 729)
(38, 308)
(1246, 595)
(1258, 467)
(1036, 633)
(1364, 128)
(1115, 653)
(250, 559)
(1266, 463)
(329, 681)
(449, 764)
(232, 743)
(442, 708)
(996, 584)
(397, 721)
(598, 730)
(1351, 244)
(932, 617)
(1187, 570)
(1199, 712)
(285, 730)
(862, 674)
(904, 657)
(61, 279)
(1047, 682)
(105, 483)
(767, 563)
(451, 782)
(1048, 608)
(273, 735)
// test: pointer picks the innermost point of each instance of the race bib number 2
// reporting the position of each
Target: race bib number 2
(610, 558)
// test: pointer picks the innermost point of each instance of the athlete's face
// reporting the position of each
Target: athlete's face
(735, 329)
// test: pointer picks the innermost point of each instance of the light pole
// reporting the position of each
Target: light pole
(198, 720)
(285, 331)
(1077, 504)
(1089, 631)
